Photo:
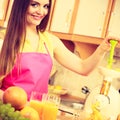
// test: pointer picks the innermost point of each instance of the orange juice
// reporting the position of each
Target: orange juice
(38, 106)
(46, 110)
(49, 111)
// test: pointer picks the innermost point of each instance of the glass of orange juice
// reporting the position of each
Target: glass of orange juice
(46, 105)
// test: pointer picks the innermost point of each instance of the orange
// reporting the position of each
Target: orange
(29, 112)
(16, 96)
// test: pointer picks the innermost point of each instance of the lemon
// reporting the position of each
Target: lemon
(29, 112)
(58, 87)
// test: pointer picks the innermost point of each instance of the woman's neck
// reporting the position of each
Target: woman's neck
(33, 36)
(31, 29)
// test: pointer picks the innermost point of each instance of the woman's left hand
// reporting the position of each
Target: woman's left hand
(105, 45)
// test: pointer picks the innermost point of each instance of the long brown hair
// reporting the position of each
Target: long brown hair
(15, 34)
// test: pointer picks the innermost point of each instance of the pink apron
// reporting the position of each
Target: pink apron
(32, 74)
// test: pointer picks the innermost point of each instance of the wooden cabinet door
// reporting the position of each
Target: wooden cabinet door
(3, 8)
(114, 25)
(62, 15)
(91, 17)
(8, 12)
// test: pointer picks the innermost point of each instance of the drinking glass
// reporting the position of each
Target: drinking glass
(46, 104)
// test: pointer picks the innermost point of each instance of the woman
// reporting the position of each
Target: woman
(28, 49)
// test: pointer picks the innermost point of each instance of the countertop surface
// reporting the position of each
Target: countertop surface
(68, 108)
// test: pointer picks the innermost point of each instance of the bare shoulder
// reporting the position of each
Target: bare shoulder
(51, 36)
(54, 39)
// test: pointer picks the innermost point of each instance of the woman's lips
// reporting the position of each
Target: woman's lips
(37, 17)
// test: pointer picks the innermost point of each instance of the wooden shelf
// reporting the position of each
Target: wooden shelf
(78, 38)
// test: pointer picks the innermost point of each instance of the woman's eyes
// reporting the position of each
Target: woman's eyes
(37, 5)
(47, 6)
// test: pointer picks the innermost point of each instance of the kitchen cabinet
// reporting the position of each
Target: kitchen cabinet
(114, 24)
(81, 19)
(62, 15)
(89, 22)
(52, 7)
(5, 8)
(91, 17)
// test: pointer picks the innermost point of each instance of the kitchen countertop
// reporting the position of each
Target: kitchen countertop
(71, 117)
(64, 118)
(68, 107)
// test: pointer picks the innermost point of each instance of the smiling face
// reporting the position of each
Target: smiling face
(37, 10)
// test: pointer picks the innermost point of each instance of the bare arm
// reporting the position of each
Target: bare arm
(74, 63)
